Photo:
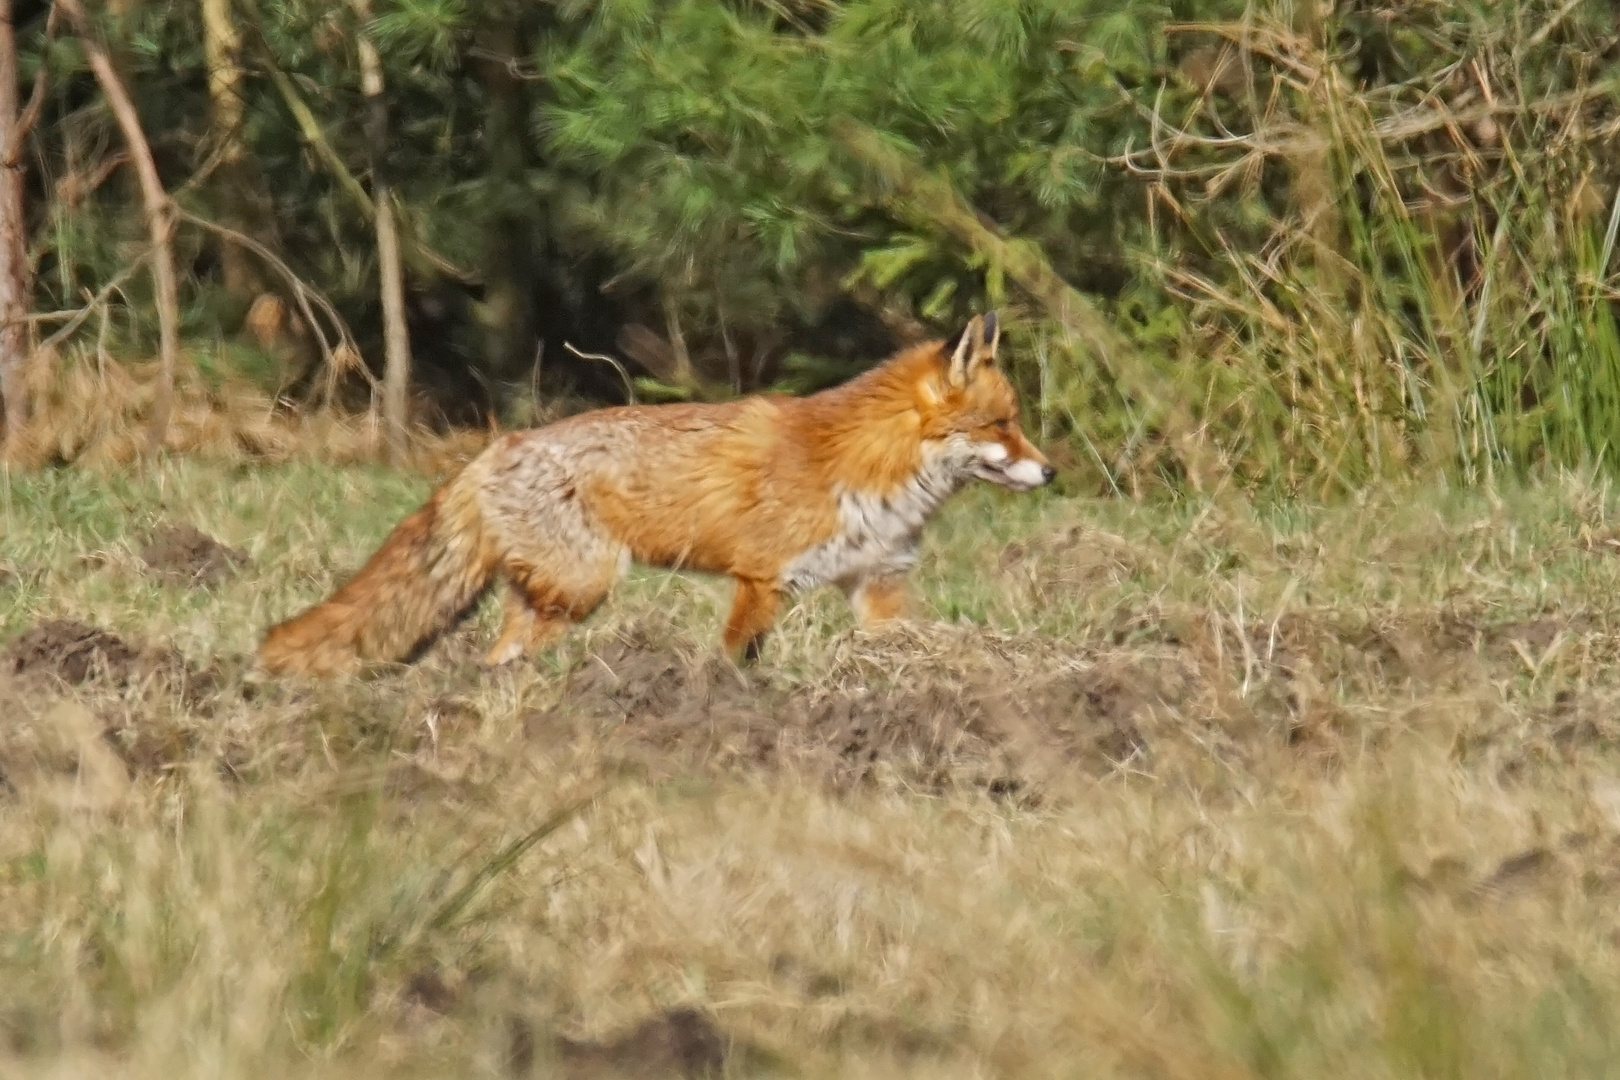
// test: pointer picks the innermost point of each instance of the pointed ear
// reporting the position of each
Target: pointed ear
(991, 336)
(971, 348)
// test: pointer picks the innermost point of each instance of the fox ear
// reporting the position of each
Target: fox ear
(991, 336)
(976, 348)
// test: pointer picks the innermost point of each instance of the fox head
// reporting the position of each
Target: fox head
(970, 413)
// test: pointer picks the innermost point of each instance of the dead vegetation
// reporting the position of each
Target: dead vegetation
(1176, 791)
(93, 411)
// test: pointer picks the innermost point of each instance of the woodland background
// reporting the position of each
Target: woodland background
(1295, 245)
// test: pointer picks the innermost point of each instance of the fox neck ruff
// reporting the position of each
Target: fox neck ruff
(879, 529)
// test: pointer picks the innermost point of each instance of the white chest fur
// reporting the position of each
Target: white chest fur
(878, 531)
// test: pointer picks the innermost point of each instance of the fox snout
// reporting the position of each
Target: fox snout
(1028, 474)
(1023, 470)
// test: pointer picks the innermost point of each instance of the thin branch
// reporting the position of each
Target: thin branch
(1550, 25)
(159, 213)
(214, 160)
(343, 358)
(515, 66)
(918, 194)
(421, 256)
(390, 268)
(36, 102)
(1275, 138)
(77, 318)
(310, 128)
(629, 384)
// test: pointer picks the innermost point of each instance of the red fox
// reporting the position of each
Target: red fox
(781, 493)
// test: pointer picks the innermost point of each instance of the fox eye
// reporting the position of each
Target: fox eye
(1003, 424)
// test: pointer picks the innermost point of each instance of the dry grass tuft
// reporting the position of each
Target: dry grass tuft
(1180, 791)
(97, 415)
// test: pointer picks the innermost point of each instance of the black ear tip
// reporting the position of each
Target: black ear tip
(989, 326)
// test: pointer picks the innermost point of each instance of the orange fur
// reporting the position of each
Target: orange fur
(779, 493)
(432, 566)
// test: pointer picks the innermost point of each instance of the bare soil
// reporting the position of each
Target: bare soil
(76, 653)
(677, 1043)
(125, 686)
(184, 555)
(933, 729)
(968, 715)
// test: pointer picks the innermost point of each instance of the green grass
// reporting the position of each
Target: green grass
(1372, 827)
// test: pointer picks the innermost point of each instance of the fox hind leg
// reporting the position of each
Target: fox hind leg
(540, 608)
(753, 609)
(558, 562)
(524, 629)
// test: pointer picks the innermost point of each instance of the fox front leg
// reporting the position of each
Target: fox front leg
(752, 612)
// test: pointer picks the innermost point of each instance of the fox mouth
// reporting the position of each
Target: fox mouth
(1020, 475)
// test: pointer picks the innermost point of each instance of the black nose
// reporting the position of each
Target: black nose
(1047, 472)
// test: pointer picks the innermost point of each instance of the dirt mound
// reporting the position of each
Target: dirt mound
(929, 729)
(77, 653)
(184, 555)
(50, 735)
(71, 651)
(680, 1042)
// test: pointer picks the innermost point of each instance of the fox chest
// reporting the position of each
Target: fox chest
(877, 533)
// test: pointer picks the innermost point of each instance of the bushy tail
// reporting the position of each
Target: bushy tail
(432, 566)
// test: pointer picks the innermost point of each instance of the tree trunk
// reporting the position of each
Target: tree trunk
(159, 214)
(684, 375)
(508, 315)
(222, 50)
(16, 288)
(396, 339)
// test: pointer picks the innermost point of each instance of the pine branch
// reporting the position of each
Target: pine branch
(917, 192)
(422, 259)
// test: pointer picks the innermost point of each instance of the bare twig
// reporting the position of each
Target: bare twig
(36, 102)
(217, 157)
(516, 66)
(390, 269)
(629, 385)
(16, 272)
(1550, 25)
(76, 318)
(159, 213)
(340, 358)
(423, 259)
(733, 361)
(101, 346)
(1274, 137)
(345, 357)
(534, 377)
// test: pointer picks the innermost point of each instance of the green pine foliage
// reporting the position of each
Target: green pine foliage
(1345, 243)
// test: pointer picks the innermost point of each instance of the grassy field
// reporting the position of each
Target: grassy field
(1191, 790)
